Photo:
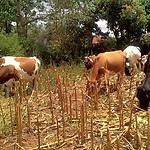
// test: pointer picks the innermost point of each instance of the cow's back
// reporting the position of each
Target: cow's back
(27, 67)
(112, 61)
(133, 54)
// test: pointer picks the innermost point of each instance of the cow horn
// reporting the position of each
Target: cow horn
(90, 60)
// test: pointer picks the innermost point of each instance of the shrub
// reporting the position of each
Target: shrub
(9, 45)
(145, 43)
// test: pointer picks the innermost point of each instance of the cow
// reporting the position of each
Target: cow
(18, 68)
(133, 56)
(88, 61)
(143, 91)
(104, 63)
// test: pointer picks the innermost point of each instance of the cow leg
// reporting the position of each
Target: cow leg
(119, 83)
(98, 86)
(130, 88)
(107, 81)
(98, 82)
(28, 89)
(119, 79)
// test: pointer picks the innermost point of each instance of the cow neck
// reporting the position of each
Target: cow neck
(94, 72)
(147, 81)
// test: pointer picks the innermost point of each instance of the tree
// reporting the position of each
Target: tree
(133, 21)
(7, 15)
(72, 24)
(23, 12)
(145, 43)
(28, 12)
(126, 19)
(146, 4)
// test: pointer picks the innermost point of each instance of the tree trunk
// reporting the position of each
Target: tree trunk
(116, 34)
(7, 27)
(20, 21)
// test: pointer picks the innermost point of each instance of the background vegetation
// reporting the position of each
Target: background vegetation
(57, 30)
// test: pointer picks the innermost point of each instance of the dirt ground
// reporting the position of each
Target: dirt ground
(64, 117)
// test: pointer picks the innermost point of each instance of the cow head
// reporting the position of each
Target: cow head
(88, 61)
(144, 97)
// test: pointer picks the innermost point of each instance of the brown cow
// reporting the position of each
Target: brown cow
(105, 63)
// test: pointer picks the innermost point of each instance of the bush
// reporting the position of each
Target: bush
(9, 45)
(145, 43)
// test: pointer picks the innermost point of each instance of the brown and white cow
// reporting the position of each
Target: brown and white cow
(18, 68)
(105, 63)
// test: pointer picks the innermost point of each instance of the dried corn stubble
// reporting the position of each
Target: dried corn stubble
(61, 129)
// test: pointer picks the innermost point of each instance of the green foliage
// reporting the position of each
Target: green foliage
(70, 23)
(9, 45)
(111, 44)
(7, 12)
(30, 47)
(145, 43)
(146, 4)
(7, 15)
(47, 53)
(145, 39)
(132, 20)
(52, 54)
(127, 19)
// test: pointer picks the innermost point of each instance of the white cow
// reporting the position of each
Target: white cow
(133, 56)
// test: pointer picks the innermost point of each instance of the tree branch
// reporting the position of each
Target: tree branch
(35, 19)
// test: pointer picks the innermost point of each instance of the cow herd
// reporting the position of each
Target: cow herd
(120, 62)
(14, 69)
